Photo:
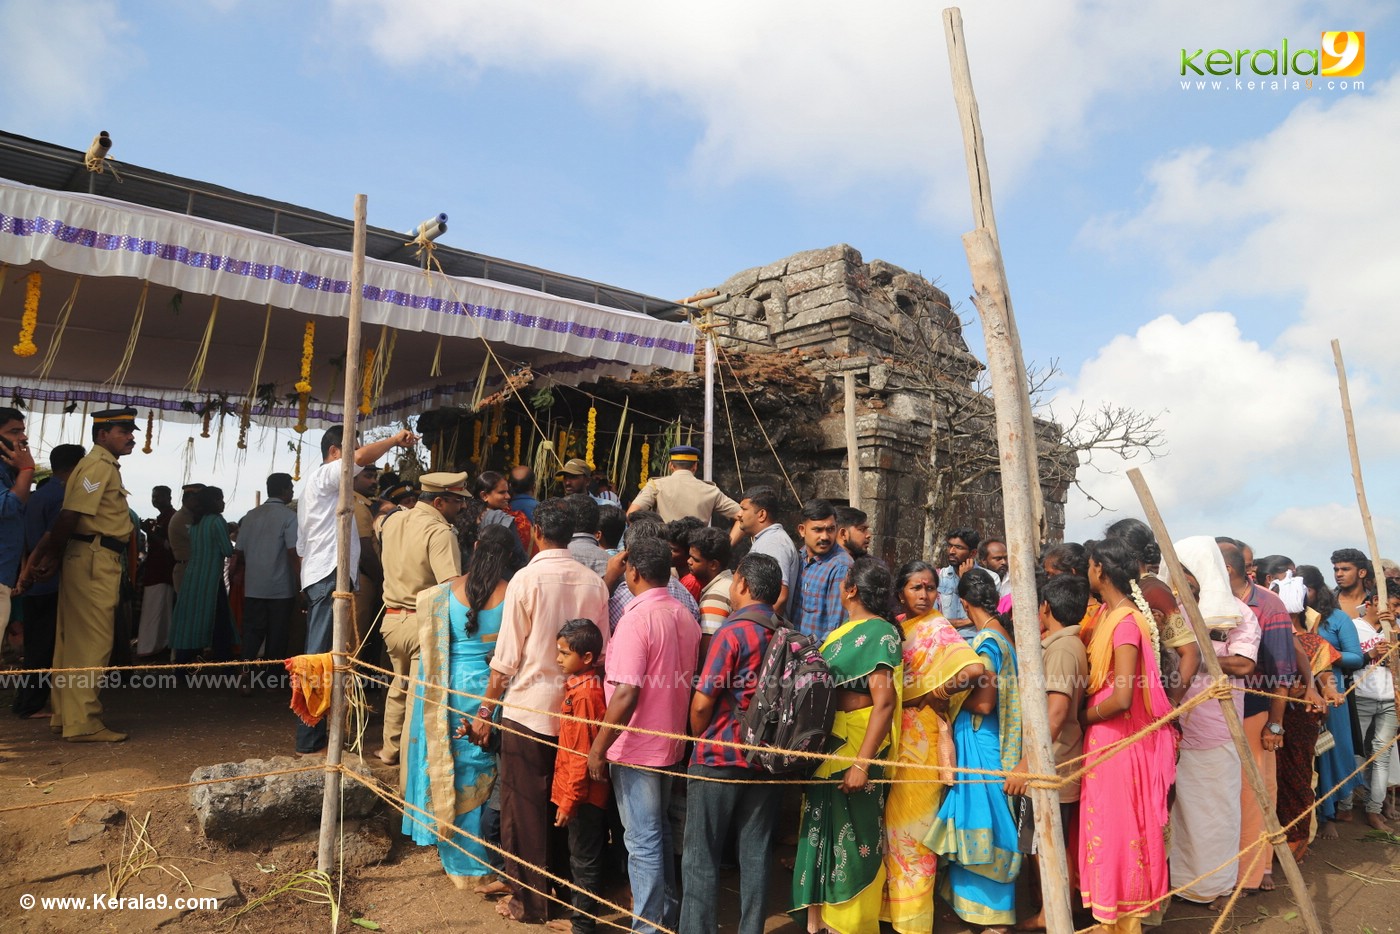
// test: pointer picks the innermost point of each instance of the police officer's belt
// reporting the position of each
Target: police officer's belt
(111, 544)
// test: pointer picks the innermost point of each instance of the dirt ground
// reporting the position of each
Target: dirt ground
(175, 730)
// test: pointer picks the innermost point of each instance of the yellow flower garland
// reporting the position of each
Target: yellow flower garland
(366, 380)
(150, 423)
(245, 416)
(296, 468)
(646, 464)
(592, 435)
(308, 343)
(476, 441)
(515, 457)
(32, 286)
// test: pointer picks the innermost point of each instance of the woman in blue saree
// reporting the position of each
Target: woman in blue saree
(974, 830)
(1339, 761)
(449, 780)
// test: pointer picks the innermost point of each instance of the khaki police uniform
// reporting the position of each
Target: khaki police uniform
(367, 593)
(683, 494)
(89, 589)
(419, 550)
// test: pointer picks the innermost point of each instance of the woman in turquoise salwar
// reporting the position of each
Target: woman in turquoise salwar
(839, 874)
(973, 829)
(448, 779)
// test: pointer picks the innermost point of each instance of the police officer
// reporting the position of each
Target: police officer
(419, 550)
(684, 494)
(90, 538)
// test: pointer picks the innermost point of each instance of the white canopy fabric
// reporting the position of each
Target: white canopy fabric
(111, 250)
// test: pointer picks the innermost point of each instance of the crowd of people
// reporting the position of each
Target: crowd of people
(565, 680)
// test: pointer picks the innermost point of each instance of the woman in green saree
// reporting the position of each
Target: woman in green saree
(839, 873)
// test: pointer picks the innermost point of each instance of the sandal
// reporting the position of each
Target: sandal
(493, 889)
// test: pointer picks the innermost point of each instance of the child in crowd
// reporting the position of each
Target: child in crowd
(580, 800)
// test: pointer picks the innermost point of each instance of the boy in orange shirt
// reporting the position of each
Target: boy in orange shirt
(579, 799)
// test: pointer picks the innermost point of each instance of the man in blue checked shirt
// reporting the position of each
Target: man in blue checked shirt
(817, 610)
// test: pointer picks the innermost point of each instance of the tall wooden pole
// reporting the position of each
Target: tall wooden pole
(1017, 468)
(1366, 522)
(979, 181)
(852, 448)
(1022, 506)
(1227, 704)
(344, 575)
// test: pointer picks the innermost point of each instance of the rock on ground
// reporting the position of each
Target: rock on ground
(273, 807)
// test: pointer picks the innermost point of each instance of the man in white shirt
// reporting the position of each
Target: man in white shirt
(1375, 709)
(317, 545)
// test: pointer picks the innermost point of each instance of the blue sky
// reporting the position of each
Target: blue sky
(1185, 252)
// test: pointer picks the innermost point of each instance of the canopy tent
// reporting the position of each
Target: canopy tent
(112, 250)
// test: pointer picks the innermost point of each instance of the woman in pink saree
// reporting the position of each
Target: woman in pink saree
(1123, 805)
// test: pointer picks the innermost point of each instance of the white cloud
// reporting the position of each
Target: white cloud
(62, 58)
(827, 94)
(1302, 218)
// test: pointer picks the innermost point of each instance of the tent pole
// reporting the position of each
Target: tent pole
(708, 460)
(344, 579)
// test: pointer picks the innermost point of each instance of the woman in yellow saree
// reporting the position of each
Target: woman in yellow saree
(839, 875)
(938, 662)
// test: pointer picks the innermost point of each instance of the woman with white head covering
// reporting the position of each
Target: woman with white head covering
(1206, 813)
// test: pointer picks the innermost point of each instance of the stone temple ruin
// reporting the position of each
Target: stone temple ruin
(787, 335)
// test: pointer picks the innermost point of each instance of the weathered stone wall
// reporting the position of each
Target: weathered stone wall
(787, 334)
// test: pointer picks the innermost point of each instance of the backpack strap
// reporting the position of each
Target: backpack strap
(770, 621)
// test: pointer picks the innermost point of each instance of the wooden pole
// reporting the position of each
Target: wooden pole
(1366, 522)
(852, 450)
(980, 182)
(1227, 704)
(1022, 535)
(341, 606)
(707, 464)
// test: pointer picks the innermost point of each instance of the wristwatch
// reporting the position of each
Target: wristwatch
(1276, 729)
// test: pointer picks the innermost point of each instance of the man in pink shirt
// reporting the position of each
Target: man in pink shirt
(650, 668)
(549, 591)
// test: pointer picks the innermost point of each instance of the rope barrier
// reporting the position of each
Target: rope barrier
(401, 805)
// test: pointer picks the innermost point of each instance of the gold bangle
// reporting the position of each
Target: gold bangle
(858, 765)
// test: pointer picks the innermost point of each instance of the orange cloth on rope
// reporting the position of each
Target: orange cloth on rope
(311, 685)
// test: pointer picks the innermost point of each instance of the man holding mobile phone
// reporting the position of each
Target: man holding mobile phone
(16, 479)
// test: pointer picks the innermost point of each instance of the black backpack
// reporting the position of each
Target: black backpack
(793, 703)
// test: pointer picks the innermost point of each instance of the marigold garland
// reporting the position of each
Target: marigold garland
(476, 441)
(646, 464)
(515, 454)
(303, 405)
(26, 347)
(245, 415)
(498, 415)
(366, 381)
(150, 423)
(296, 467)
(592, 435)
(308, 344)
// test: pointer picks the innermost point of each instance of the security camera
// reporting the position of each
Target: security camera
(431, 229)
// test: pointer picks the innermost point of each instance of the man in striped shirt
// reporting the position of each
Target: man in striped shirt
(709, 562)
(726, 684)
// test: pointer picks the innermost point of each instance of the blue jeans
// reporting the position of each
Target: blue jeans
(711, 809)
(319, 624)
(643, 799)
(1378, 726)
